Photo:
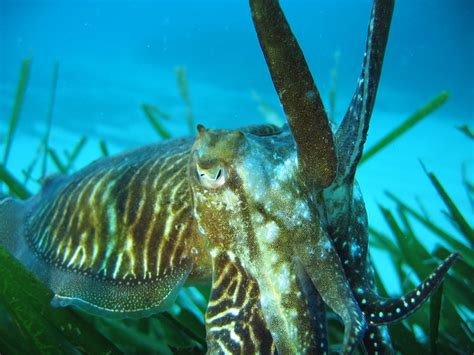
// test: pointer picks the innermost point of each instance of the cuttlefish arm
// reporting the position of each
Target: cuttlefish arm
(298, 94)
(352, 133)
(391, 310)
(317, 162)
(235, 322)
(234, 319)
(347, 220)
(246, 202)
(345, 215)
(324, 267)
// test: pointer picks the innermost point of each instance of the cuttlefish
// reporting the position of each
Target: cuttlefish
(271, 215)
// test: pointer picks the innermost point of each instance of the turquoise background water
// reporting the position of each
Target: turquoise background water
(116, 55)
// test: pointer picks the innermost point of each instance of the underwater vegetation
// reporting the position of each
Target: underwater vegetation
(28, 323)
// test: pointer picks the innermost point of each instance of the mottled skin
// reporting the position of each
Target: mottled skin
(262, 218)
(341, 207)
(273, 215)
(254, 213)
(339, 221)
(117, 236)
(346, 215)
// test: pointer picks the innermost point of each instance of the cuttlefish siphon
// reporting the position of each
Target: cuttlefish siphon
(272, 216)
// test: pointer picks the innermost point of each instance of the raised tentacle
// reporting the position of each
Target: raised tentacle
(352, 133)
(298, 94)
(234, 319)
(390, 310)
(346, 216)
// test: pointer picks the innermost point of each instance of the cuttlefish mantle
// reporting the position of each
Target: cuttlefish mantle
(271, 216)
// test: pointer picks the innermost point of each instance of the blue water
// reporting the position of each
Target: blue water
(128, 49)
(115, 55)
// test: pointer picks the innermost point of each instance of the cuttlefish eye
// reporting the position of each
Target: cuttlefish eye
(213, 177)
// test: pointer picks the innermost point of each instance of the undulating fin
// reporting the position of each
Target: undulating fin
(390, 310)
(298, 94)
(12, 221)
(117, 299)
(352, 133)
(234, 319)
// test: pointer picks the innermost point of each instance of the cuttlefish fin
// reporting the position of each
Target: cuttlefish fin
(92, 293)
(317, 162)
(234, 319)
(352, 133)
(117, 299)
(12, 219)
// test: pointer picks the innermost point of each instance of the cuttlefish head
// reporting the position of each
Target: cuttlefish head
(250, 207)
(245, 191)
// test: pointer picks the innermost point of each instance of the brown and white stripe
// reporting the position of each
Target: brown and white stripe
(122, 218)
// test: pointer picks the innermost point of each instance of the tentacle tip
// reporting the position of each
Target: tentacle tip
(453, 257)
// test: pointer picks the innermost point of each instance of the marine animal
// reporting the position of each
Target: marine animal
(271, 214)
